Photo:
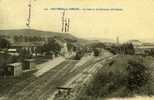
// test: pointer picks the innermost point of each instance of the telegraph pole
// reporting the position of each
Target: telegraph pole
(63, 21)
(68, 24)
(28, 23)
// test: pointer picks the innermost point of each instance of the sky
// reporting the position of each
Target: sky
(134, 21)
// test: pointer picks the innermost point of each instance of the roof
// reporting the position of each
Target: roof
(148, 44)
(145, 47)
(15, 64)
(28, 44)
(30, 60)
(12, 50)
(134, 41)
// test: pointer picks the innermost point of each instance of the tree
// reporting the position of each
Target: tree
(71, 46)
(128, 48)
(138, 74)
(4, 43)
(96, 52)
(51, 45)
(79, 54)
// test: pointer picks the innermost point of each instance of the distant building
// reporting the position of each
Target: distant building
(144, 48)
(31, 47)
(28, 64)
(14, 69)
(13, 52)
(135, 43)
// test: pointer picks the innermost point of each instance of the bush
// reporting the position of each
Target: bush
(138, 75)
(122, 77)
(4, 43)
(96, 52)
(79, 55)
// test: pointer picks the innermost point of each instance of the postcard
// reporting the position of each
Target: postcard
(76, 49)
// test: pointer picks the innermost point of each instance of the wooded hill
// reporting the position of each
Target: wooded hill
(34, 35)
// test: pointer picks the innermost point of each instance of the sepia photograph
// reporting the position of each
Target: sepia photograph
(76, 49)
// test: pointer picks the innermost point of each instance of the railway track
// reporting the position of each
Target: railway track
(41, 88)
(35, 85)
